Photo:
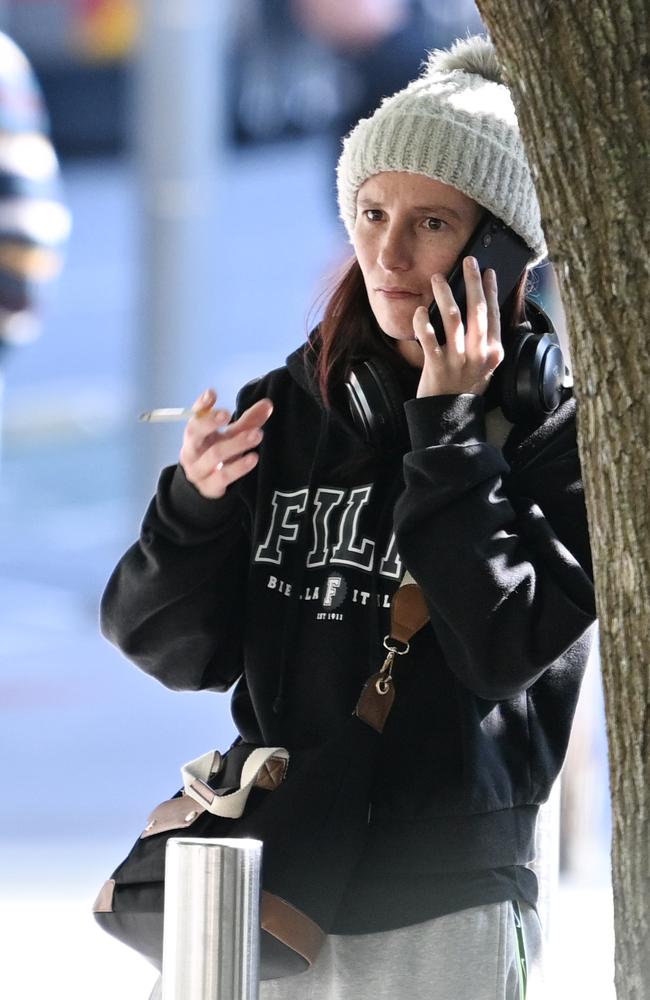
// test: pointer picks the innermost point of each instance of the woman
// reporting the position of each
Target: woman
(270, 553)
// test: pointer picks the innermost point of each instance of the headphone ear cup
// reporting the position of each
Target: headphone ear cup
(395, 423)
(507, 373)
(531, 377)
(376, 403)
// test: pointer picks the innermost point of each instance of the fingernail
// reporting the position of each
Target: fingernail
(438, 278)
(472, 262)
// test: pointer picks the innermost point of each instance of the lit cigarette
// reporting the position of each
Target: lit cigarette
(171, 413)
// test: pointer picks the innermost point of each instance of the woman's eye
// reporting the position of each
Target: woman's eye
(373, 214)
(433, 224)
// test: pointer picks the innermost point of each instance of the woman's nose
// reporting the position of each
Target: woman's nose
(395, 253)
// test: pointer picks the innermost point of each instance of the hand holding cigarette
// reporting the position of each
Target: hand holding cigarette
(216, 452)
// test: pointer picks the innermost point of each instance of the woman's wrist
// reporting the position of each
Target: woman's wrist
(446, 419)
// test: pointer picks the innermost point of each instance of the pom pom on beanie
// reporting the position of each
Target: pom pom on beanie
(457, 124)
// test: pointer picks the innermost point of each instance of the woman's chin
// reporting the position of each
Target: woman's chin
(407, 346)
(398, 332)
(395, 320)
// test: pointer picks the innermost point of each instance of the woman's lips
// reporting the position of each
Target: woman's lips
(398, 293)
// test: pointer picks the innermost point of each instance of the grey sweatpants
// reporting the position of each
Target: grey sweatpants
(469, 955)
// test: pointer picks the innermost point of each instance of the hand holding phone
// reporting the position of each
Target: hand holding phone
(494, 245)
(472, 351)
(460, 334)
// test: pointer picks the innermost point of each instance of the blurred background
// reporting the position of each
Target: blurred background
(181, 239)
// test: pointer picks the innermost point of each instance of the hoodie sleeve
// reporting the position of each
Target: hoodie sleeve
(175, 602)
(501, 554)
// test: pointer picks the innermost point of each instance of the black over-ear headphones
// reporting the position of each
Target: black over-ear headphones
(529, 381)
(533, 372)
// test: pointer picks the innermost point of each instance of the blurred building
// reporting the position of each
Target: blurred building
(295, 67)
(80, 50)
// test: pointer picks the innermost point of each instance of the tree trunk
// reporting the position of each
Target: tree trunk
(579, 76)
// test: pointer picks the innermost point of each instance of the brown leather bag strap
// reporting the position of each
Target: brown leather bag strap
(408, 614)
(408, 611)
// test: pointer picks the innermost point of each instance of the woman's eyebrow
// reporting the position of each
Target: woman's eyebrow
(442, 209)
(366, 202)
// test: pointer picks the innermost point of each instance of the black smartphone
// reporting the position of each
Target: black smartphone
(494, 245)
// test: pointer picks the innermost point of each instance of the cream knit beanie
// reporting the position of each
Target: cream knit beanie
(456, 124)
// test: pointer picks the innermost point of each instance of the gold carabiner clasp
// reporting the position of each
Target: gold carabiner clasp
(385, 678)
(395, 648)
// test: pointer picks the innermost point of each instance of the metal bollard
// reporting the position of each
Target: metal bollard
(211, 930)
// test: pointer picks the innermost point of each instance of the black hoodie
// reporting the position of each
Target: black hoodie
(284, 585)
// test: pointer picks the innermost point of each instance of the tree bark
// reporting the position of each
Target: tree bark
(578, 71)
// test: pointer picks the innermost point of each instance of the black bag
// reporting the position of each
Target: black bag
(310, 810)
